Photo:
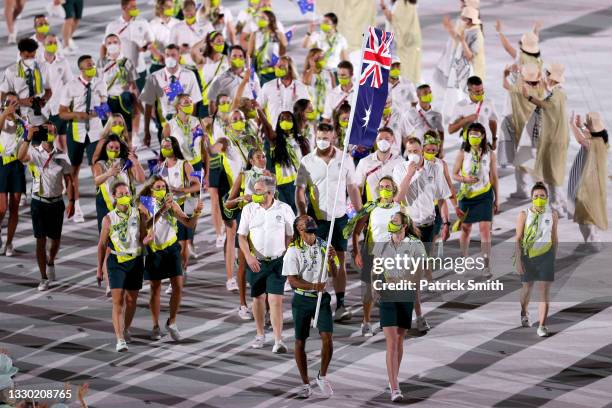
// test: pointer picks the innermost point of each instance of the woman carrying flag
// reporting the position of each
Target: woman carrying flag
(164, 253)
(179, 175)
(210, 62)
(115, 125)
(266, 45)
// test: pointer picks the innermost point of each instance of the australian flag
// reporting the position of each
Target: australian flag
(373, 87)
(306, 6)
(173, 89)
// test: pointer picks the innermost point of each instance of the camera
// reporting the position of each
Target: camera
(37, 105)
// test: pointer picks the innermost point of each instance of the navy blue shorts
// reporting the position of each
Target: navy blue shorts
(12, 177)
(125, 275)
(163, 264)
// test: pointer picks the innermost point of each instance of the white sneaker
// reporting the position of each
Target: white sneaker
(23, 201)
(279, 347)
(543, 331)
(174, 331)
(525, 321)
(325, 386)
(121, 346)
(108, 292)
(422, 324)
(396, 396)
(304, 392)
(245, 313)
(72, 44)
(288, 287)
(231, 285)
(78, 214)
(486, 272)
(127, 336)
(43, 285)
(8, 250)
(68, 51)
(51, 272)
(156, 333)
(169, 289)
(193, 254)
(342, 313)
(366, 330)
(220, 241)
(259, 341)
(12, 38)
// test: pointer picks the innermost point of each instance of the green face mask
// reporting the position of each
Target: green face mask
(387, 111)
(167, 152)
(344, 81)
(474, 141)
(311, 115)
(111, 154)
(190, 20)
(429, 156)
(42, 29)
(218, 47)
(159, 194)
(117, 129)
(343, 123)
(224, 107)
(279, 72)
(90, 72)
(427, 98)
(258, 198)
(51, 48)
(187, 109)
(124, 200)
(286, 125)
(477, 98)
(321, 63)
(395, 73)
(239, 125)
(261, 23)
(134, 12)
(540, 202)
(238, 62)
(393, 228)
(169, 12)
(386, 194)
(326, 28)
(50, 137)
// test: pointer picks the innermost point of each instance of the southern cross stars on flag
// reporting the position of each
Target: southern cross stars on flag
(373, 87)
(306, 6)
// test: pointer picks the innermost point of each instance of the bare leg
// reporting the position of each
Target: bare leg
(276, 315)
(544, 302)
(41, 256)
(417, 303)
(485, 239)
(525, 296)
(391, 338)
(367, 311)
(241, 277)
(13, 217)
(464, 240)
(327, 350)
(3, 206)
(230, 248)
(300, 360)
(259, 311)
(184, 253)
(154, 301)
(175, 298)
(75, 180)
(400, 351)
(53, 250)
(118, 296)
(9, 15)
(130, 307)
(215, 210)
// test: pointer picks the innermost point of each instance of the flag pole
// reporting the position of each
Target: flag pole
(344, 154)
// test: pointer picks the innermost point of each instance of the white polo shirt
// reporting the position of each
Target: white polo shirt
(370, 170)
(321, 181)
(305, 261)
(74, 98)
(267, 229)
(157, 82)
(161, 30)
(50, 171)
(334, 99)
(276, 97)
(422, 121)
(17, 83)
(332, 47)
(58, 74)
(403, 94)
(427, 185)
(227, 83)
(117, 74)
(487, 112)
(399, 123)
(183, 33)
(134, 34)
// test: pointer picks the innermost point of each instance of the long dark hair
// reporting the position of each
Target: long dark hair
(176, 148)
(208, 48)
(146, 190)
(299, 107)
(280, 153)
(123, 148)
(344, 108)
(483, 143)
(272, 25)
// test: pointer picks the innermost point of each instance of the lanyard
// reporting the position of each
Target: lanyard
(124, 28)
(278, 87)
(425, 119)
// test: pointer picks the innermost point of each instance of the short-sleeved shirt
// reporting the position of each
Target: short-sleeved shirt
(74, 97)
(422, 121)
(370, 170)
(227, 84)
(185, 34)
(334, 99)
(277, 97)
(410, 246)
(58, 74)
(9, 140)
(427, 185)
(403, 94)
(332, 47)
(156, 88)
(161, 30)
(14, 80)
(261, 225)
(118, 74)
(487, 112)
(134, 34)
(321, 180)
(399, 122)
(50, 171)
(305, 261)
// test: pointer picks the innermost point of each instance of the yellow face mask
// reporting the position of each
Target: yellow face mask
(429, 156)
(395, 73)
(159, 194)
(124, 200)
(42, 29)
(343, 123)
(258, 198)
(169, 12)
(386, 194)
(239, 125)
(51, 48)
(167, 152)
(111, 154)
(286, 125)
(190, 20)
(187, 109)
(224, 107)
(134, 12)
(117, 129)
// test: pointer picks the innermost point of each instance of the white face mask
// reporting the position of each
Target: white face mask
(113, 49)
(171, 62)
(29, 62)
(414, 158)
(323, 144)
(383, 145)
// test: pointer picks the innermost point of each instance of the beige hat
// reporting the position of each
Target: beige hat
(471, 13)
(595, 121)
(556, 72)
(472, 3)
(530, 72)
(529, 43)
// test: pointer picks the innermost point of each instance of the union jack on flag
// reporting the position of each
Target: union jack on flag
(373, 87)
